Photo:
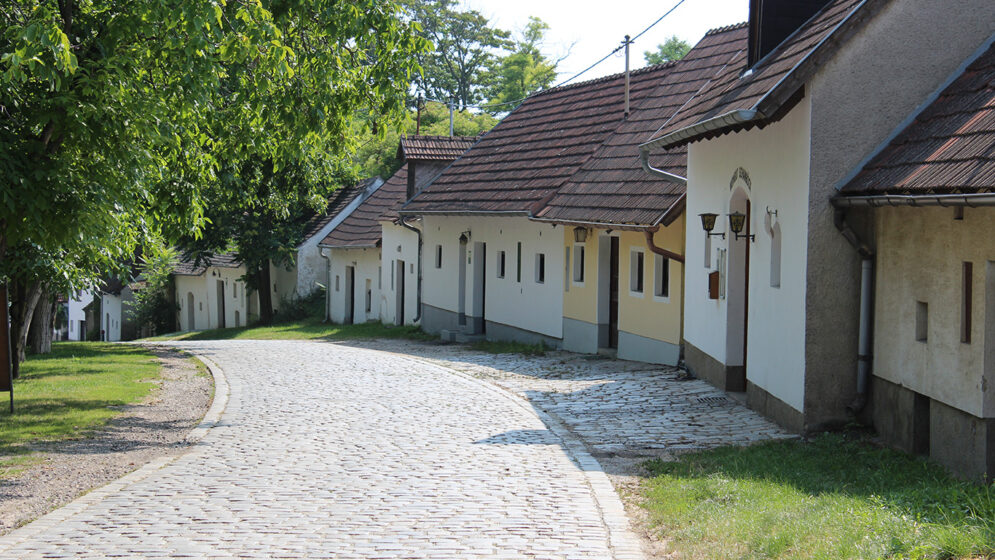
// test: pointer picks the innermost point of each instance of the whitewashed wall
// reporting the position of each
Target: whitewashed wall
(776, 160)
(526, 305)
(204, 289)
(399, 244)
(78, 300)
(110, 317)
(367, 265)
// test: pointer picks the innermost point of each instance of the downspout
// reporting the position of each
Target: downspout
(417, 231)
(328, 284)
(659, 250)
(644, 159)
(866, 305)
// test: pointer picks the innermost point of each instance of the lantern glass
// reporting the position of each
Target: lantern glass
(708, 221)
(580, 235)
(736, 222)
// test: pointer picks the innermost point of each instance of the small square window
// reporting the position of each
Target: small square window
(636, 272)
(661, 276)
(500, 264)
(922, 321)
(540, 268)
(578, 264)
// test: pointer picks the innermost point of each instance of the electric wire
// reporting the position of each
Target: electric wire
(517, 102)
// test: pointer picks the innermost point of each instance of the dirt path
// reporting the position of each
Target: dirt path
(151, 429)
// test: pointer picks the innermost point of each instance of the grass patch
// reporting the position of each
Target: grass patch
(305, 329)
(73, 390)
(503, 347)
(834, 497)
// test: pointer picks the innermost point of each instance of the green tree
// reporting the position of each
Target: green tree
(116, 117)
(523, 72)
(672, 49)
(464, 45)
(153, 308)
(378, 155)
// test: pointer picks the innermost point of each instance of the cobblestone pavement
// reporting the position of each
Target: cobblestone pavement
(613, 406)
(330, 451)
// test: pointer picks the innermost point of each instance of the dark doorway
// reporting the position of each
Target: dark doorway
(479, 287)
(350, 295)
(221, 304)
(190, 312)
(613, 294)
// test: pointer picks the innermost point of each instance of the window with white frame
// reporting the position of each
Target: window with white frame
(661, 276)
(578, 264)
(636, 268)
(540, 268)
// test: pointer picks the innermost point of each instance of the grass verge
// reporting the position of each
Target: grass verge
(307, 329)
(834, 497)
(71, 391)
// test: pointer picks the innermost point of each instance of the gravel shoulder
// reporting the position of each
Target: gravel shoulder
(62, 471)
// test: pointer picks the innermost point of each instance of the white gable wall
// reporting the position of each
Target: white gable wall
(366, 263)
(77, 301)
(110, 317)
(400, 244)
(776, 161)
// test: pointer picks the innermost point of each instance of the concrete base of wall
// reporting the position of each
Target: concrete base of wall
(914, 423)
(435, 320)
(580, 336)
(774, 408)
(473, 325)
(499, 331)
(643, 349)
(703, 366)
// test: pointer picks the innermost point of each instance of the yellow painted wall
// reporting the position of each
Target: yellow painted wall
(646, 315)
(580, 300)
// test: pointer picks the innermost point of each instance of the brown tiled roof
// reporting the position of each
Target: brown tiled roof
(773, 82)
(336, 204)
(531, 153)
(362, 227)
(948, 149)
(612, 187)
(185, 266)
(434, 148)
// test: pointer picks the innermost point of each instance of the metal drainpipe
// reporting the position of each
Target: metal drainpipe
(660, 251)
(864, 357)
(418, 297)
(644, 159)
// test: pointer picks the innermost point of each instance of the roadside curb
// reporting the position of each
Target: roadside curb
(625, 545)
(211, 418)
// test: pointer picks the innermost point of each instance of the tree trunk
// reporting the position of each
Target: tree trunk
(264, 286)
(43, 323)
(21, 310)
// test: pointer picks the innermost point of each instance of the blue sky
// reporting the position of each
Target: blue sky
(595, 28)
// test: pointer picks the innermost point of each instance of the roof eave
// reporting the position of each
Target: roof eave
(688, 134)
(874, 201)
(403, 212)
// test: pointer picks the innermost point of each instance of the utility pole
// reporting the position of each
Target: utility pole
(627, 42)
(452, 104)
(418, 118)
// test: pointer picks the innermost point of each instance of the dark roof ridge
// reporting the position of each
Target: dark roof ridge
(440, 136)
(727, 28)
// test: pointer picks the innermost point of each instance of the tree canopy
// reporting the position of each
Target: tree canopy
(670, 50)
(522, 72)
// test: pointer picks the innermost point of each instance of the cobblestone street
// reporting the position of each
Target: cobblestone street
(340, 451)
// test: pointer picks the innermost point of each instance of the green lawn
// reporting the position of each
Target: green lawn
(72, 390)
(307, 329)
(834, 497)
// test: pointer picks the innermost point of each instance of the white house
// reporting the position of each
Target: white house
(78, 300)
(774, 308)
(369, 281)
(213, 294)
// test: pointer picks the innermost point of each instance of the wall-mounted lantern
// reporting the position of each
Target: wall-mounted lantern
(580, 234)
(708, 224)
(736, 222)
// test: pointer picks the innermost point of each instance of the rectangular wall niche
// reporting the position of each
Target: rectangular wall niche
(922, 321)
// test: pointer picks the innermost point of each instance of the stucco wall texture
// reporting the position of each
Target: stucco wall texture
(901, 55)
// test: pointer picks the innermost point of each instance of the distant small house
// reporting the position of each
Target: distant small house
(116, 323)
(78, 324)
(212, 294)
(358, 279)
